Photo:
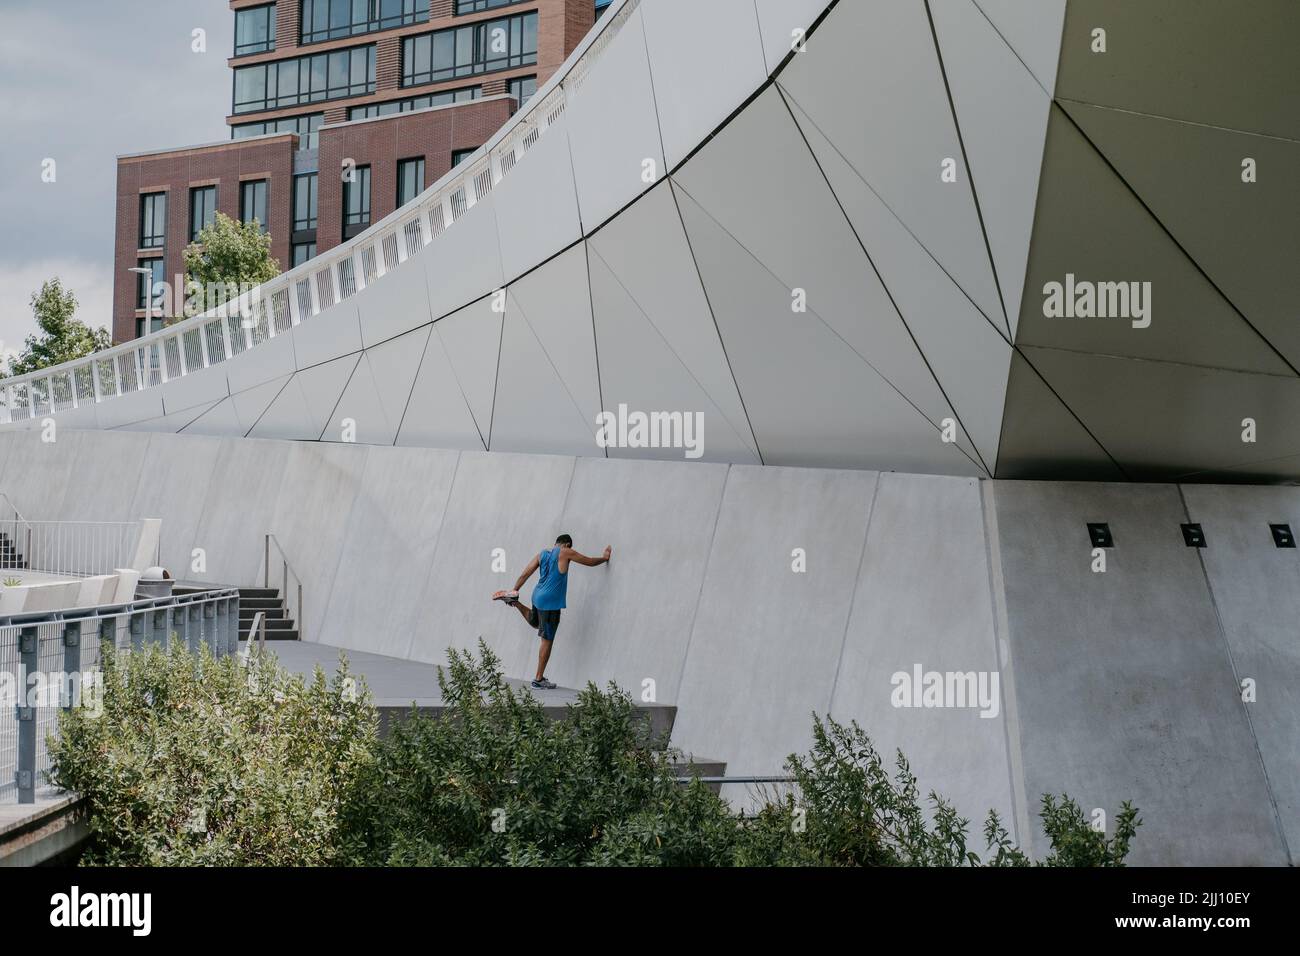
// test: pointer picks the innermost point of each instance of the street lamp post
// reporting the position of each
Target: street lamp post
(148, 319)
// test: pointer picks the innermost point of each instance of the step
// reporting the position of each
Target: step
(259, 592)
(272, 627)
(270, 613)
(261, 604)
(693, 766)
(274, 636)
(281, 624)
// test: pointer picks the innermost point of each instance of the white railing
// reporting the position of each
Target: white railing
(71, 548)
(274, 307)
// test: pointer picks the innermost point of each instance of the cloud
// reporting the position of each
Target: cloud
(92, 283)
(84, 81)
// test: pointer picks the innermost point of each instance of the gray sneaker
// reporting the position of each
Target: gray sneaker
(543, 684)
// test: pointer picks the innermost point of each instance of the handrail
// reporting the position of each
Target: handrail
(26, 542)
(255, 627)
(276, 306)
(284, 586)
(17, 514)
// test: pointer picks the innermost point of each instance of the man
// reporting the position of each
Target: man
(548, 596)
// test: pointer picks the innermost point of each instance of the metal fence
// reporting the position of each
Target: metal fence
(45, 657)
(70, 548)
(275, 307)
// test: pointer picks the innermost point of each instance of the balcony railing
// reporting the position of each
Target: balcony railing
(275, 307)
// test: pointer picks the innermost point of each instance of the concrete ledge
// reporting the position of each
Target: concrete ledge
(660, 717)
(35, 833)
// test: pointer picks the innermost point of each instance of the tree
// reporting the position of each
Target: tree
(62, 339)
(227, 256)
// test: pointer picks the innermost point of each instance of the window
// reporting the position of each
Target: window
(601, 7)
(255, 30)
(155, 325)
(356, 202)
(203, 209)
(335, 19)
(304, 202)
(302, 252)
(252, 202)
(305, 79)
(157, 276)
(465, 51)
(459, 156)
(522, 89)
(392, 107)
(475, 6)
(410, 180)
(304, 126)
(153, 220)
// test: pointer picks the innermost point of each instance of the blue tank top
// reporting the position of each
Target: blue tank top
(552, 585)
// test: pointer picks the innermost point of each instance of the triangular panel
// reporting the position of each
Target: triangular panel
(893, 123)
(640, 371)
(1002, 114)
(967, 352)
(647, 251)
(393, 366)
(555, 302)
(1094, 240)
(1033, 30)
(472, 340)
(174, 422)
(812, 401)
(322, 386)
(799, 235)
(1041, 439)
(535, 410)
(360, 414)
(783, 21)
(1246, 236)
(252, 403)
(220, 420)
(437, 415)
(1191, 417)
(286, 418)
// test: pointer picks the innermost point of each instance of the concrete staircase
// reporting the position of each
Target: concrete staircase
(9, 556)
(270, 602)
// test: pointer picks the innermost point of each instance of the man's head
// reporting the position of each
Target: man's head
(564, 541)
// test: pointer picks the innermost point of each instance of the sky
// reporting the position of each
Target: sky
(82, 82)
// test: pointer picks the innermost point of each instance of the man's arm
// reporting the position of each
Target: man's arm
(569, 554)
(528, 573)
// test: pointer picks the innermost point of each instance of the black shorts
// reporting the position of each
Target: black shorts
(546, 622)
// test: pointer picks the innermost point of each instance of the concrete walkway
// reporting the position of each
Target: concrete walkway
(395, 684)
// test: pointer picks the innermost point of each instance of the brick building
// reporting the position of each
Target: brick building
(402, 89)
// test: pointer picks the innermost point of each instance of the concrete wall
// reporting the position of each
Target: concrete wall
(1124, 682)
(1256, 591)
(1111, 686)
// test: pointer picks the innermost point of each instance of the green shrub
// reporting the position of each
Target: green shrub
(845, 808)
(198, 761)
(494, 781)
